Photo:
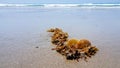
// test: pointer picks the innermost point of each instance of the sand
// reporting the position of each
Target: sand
(22, 29)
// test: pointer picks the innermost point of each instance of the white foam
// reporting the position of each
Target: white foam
(61, 5)
(10, 5)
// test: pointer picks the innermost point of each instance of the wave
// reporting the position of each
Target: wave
(60, 5)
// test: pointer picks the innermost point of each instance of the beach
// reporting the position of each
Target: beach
(24, 42)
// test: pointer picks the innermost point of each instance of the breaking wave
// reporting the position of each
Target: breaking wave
(60, 5)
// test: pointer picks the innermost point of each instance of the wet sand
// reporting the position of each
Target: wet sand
(22, 29)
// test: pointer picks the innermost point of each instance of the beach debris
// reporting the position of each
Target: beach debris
(59, 37)
(72, 49)
(36, 47)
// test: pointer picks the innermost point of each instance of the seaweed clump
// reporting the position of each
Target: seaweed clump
(72, 49)
(59, 37)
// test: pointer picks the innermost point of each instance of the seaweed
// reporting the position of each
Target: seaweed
(72, 49)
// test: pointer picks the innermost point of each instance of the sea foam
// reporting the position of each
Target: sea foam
(61, 5)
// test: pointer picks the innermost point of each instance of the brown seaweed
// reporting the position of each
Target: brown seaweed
(72, 49)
